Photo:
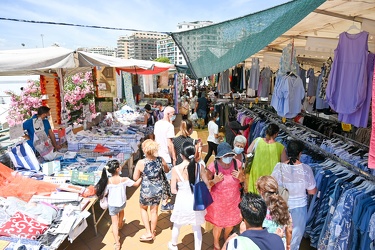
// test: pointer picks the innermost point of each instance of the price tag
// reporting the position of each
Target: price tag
(346, 127)
(250, 105)
(332, 210)
(256, 100)
(283, 119)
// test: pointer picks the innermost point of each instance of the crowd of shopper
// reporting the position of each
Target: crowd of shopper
(173, 164)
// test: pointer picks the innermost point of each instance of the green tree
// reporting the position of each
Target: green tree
(162, 60)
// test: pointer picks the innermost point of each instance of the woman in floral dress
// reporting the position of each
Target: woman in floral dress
(150, 169)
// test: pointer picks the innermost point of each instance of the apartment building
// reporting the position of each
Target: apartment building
(167, 48)
(139, 45)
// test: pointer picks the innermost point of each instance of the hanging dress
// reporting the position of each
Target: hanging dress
(347, 84)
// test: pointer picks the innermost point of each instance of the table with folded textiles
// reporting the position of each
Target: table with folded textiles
(32, 212)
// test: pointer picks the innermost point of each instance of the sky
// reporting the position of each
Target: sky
(143, 15)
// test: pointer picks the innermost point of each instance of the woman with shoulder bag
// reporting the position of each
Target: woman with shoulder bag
(182, 182)
(151, 170)
(267, 153)
(299, 179)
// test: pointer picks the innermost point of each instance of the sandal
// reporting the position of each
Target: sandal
(145, 238)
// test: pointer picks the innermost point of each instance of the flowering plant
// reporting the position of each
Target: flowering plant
(24, 106)
(78, 91)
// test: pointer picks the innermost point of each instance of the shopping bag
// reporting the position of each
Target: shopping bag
(194, 117)
(202, 196)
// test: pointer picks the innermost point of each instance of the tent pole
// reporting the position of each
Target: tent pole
(64, 115)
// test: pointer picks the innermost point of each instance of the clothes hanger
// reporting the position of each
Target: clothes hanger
(353, 27)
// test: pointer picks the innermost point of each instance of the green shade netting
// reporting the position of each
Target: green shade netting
(215, 48)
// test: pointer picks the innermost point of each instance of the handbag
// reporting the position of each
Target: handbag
(250, 157)
(283, 191)
(202, 196)
(166, 187)
(104, 201)
(183, 110)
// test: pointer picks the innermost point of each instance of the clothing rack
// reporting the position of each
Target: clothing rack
(319, 118)
(346, 139)
(296, 124)
(318, 150)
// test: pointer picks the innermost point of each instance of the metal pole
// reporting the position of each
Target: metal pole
(42, 40)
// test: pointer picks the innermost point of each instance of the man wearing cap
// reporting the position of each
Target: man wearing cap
(164, 134)
(226, 175)
(159, 112)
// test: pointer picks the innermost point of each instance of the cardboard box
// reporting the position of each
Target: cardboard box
(51, 167)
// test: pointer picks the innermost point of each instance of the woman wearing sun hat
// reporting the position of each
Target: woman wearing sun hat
(225, 178)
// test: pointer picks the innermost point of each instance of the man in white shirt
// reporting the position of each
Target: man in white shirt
(164, 134)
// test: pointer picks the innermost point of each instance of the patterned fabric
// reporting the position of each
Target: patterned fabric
(341, 221)
(288, 60)
(272, 226)
(23, 157)
(327, 70)
(371, 227)
(151, 187)
(22, 226)
(128, 89)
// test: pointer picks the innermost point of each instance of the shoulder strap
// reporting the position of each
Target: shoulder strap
(216, 167)
(198, 175)
(235, 164)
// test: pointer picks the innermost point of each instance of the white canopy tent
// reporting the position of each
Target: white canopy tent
(43, 61)
(46, 61)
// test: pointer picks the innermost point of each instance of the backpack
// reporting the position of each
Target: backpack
(241, 243)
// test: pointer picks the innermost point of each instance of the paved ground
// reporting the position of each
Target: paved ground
(134, 228)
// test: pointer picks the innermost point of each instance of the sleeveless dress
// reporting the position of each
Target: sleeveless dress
(152, 182)
(347, 84)
(183, 213)
(224, 211)
(266, 156)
